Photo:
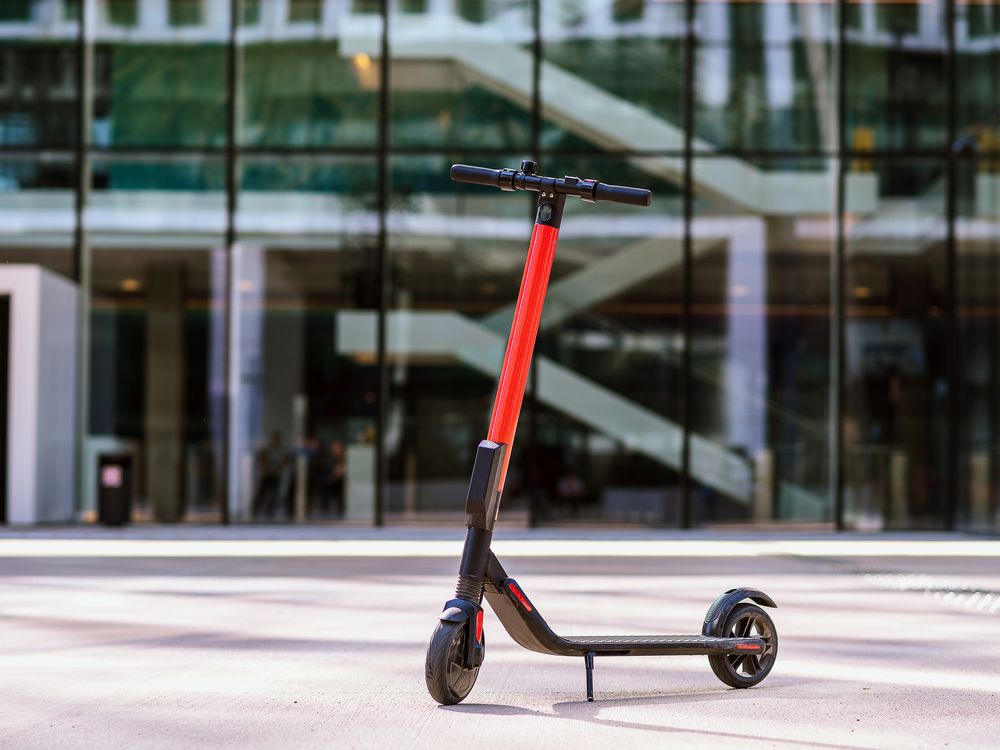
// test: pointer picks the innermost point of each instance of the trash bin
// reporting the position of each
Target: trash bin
(114, 489)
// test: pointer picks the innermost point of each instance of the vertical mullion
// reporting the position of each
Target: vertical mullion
(953, 348)
(232, 183)
(994, 326)
(382, 273)
(688, 271)
(81, 140)
(993, 450)
(837, 280)
(81, 255)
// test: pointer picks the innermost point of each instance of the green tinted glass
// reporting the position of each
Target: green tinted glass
(308, 93)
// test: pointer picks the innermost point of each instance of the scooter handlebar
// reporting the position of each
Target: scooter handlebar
(588, 190)
(621, 194)
(475, 175)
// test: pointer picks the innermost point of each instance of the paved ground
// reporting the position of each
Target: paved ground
(286, 639)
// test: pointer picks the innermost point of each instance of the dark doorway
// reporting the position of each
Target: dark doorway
(4, 362)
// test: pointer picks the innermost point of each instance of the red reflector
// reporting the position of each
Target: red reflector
(747, 647)
(479, 626)
(521, 598)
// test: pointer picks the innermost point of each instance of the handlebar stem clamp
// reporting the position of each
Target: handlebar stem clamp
(507, 179)
(588, 190)
(548, 187)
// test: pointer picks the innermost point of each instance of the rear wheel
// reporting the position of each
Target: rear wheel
(448, 679)
(746, 670)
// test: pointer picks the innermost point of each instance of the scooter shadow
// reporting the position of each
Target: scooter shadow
(583, 710)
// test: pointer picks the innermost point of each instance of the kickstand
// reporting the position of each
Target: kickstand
(588, 660)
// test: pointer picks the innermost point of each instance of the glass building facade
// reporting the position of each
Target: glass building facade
(289, 313)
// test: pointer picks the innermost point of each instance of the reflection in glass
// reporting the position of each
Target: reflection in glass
(612, 80)
(896, 75)
(303, 440)
(978, 260)
(461, 73)
(977, 49)
(607, 442)
(37, 217)
(612, 75)
(760, 357)
(456, 259)
(895, 368)
(164, 84)
(765, 74)
(306, 79)
(157, 331)
(38, 78)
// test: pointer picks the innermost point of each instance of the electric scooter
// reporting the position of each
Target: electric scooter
(738, 637)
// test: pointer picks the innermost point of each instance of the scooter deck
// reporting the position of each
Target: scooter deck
(660, 645)
(528, 628)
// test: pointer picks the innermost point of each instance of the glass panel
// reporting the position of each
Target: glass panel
(161, 80)
(612, 76)
(250, 12)
(18, 10)
(765, 74)
(763, 243)
(896, 77)
(461, 75)
(38, 77)
(185, 12)
(978, 247)
(37, 213)
(607, 430)
(895, 426)
(977, 40)
(305, 10)
(157, 332)
(309, 84)
(123, 12)
(456, 258)
(303, 441)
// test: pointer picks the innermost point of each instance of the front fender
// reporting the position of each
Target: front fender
(715, 619)
(454, 614)
(469, 615)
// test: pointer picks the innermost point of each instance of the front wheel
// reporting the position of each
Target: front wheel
(746, 670)
(448, 679)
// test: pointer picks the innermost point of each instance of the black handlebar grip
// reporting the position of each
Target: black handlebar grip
(475, 175)
(621, 194)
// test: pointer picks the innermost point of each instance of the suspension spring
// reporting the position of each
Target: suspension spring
(469, 588)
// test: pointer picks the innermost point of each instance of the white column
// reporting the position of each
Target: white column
(746, 339)
(154, 16)
(714, 56)
(23, 286)
(216, 17)
(245, 376)
(777, 34)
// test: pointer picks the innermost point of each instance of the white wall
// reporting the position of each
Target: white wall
(41, 457)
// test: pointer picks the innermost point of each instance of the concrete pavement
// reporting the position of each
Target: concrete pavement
(315, 638)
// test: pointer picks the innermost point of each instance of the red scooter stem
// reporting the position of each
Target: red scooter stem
(521, 343)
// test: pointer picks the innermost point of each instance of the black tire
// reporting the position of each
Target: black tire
(746, 670)
(448, 680)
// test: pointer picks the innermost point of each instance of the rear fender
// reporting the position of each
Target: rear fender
(715, 619)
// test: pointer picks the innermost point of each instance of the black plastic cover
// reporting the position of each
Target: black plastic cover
(483, 500)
